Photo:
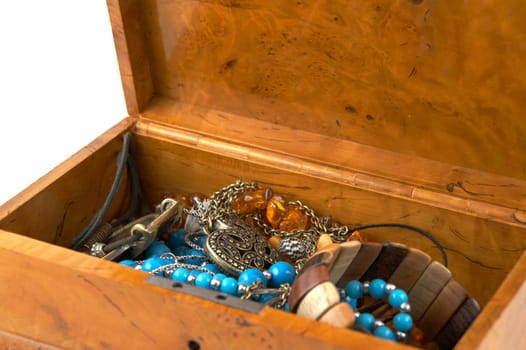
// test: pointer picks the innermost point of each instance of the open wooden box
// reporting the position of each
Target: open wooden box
(406, 111)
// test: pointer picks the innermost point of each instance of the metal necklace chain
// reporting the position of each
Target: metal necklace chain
(219, 206)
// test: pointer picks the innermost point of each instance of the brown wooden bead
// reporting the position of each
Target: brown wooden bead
(410, 269)
(391, 255)
(364, 259)
(305, 281)
(426, 289)
(340, 315)
(457, 324)
(324, 256)
(442, 309)
(318, 300)
(340, 262)
(323, 241)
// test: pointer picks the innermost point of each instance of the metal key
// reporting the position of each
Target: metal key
(135, 237)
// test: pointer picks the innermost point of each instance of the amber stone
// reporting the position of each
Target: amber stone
(294, 219)
(251, 201)
(275, 210)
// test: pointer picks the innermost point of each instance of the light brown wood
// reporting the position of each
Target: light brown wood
(318, 301)
(340, 315)
(501, 323)
(408, 77)
(99, 304)
(60, 204)
(405, 112)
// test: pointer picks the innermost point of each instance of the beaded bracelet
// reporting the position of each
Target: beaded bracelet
(397, 298)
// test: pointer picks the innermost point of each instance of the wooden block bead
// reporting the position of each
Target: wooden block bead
(323, 241)
(305, 282)
(442, 309)
(340, 315)
(364, 259)
(347, 253)
(410, 269)
(391, 255)
(427, 288)
(323, 257)
(318, 300)
(457, 324)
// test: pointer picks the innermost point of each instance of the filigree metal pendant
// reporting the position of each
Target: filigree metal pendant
(239, 247)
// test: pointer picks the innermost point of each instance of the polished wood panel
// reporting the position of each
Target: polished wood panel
(502, 318)
(411, 77)
(99, 304)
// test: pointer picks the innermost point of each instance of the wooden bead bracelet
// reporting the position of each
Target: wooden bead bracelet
(437, 301)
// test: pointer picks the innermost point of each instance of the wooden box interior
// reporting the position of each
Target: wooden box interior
(406, 112)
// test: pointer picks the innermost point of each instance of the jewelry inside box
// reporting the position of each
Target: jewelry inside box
(247, 241)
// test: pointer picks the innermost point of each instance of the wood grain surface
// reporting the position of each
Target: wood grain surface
(412, 77)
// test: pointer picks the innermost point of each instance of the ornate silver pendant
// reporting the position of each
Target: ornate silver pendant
(235, 247)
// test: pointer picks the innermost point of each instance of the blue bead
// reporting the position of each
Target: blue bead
(212, 268)
(286, 307)
(403, 322)
(250, 276)
(180, 251)
(397, 297)
(152, 263)
(354, 289)
(366, 320)
(385, 332)
(282, 272)
(203, 280)
(129, 263)
(377, 288)
(156, 248)
(220, 276)
(195, 272)
(352, 302)
(194, 252)
(176, 239)
(180, 274)
(229, 286)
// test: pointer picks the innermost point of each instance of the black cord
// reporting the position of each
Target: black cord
(97, 219)
(408, 227)
(136, 192)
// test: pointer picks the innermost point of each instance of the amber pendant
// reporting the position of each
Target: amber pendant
(239, 247)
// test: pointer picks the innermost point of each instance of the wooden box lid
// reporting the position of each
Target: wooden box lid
(422, 93)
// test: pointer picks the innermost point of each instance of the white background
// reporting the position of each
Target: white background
(59, 85)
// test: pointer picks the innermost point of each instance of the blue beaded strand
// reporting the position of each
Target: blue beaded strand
(396, 298)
